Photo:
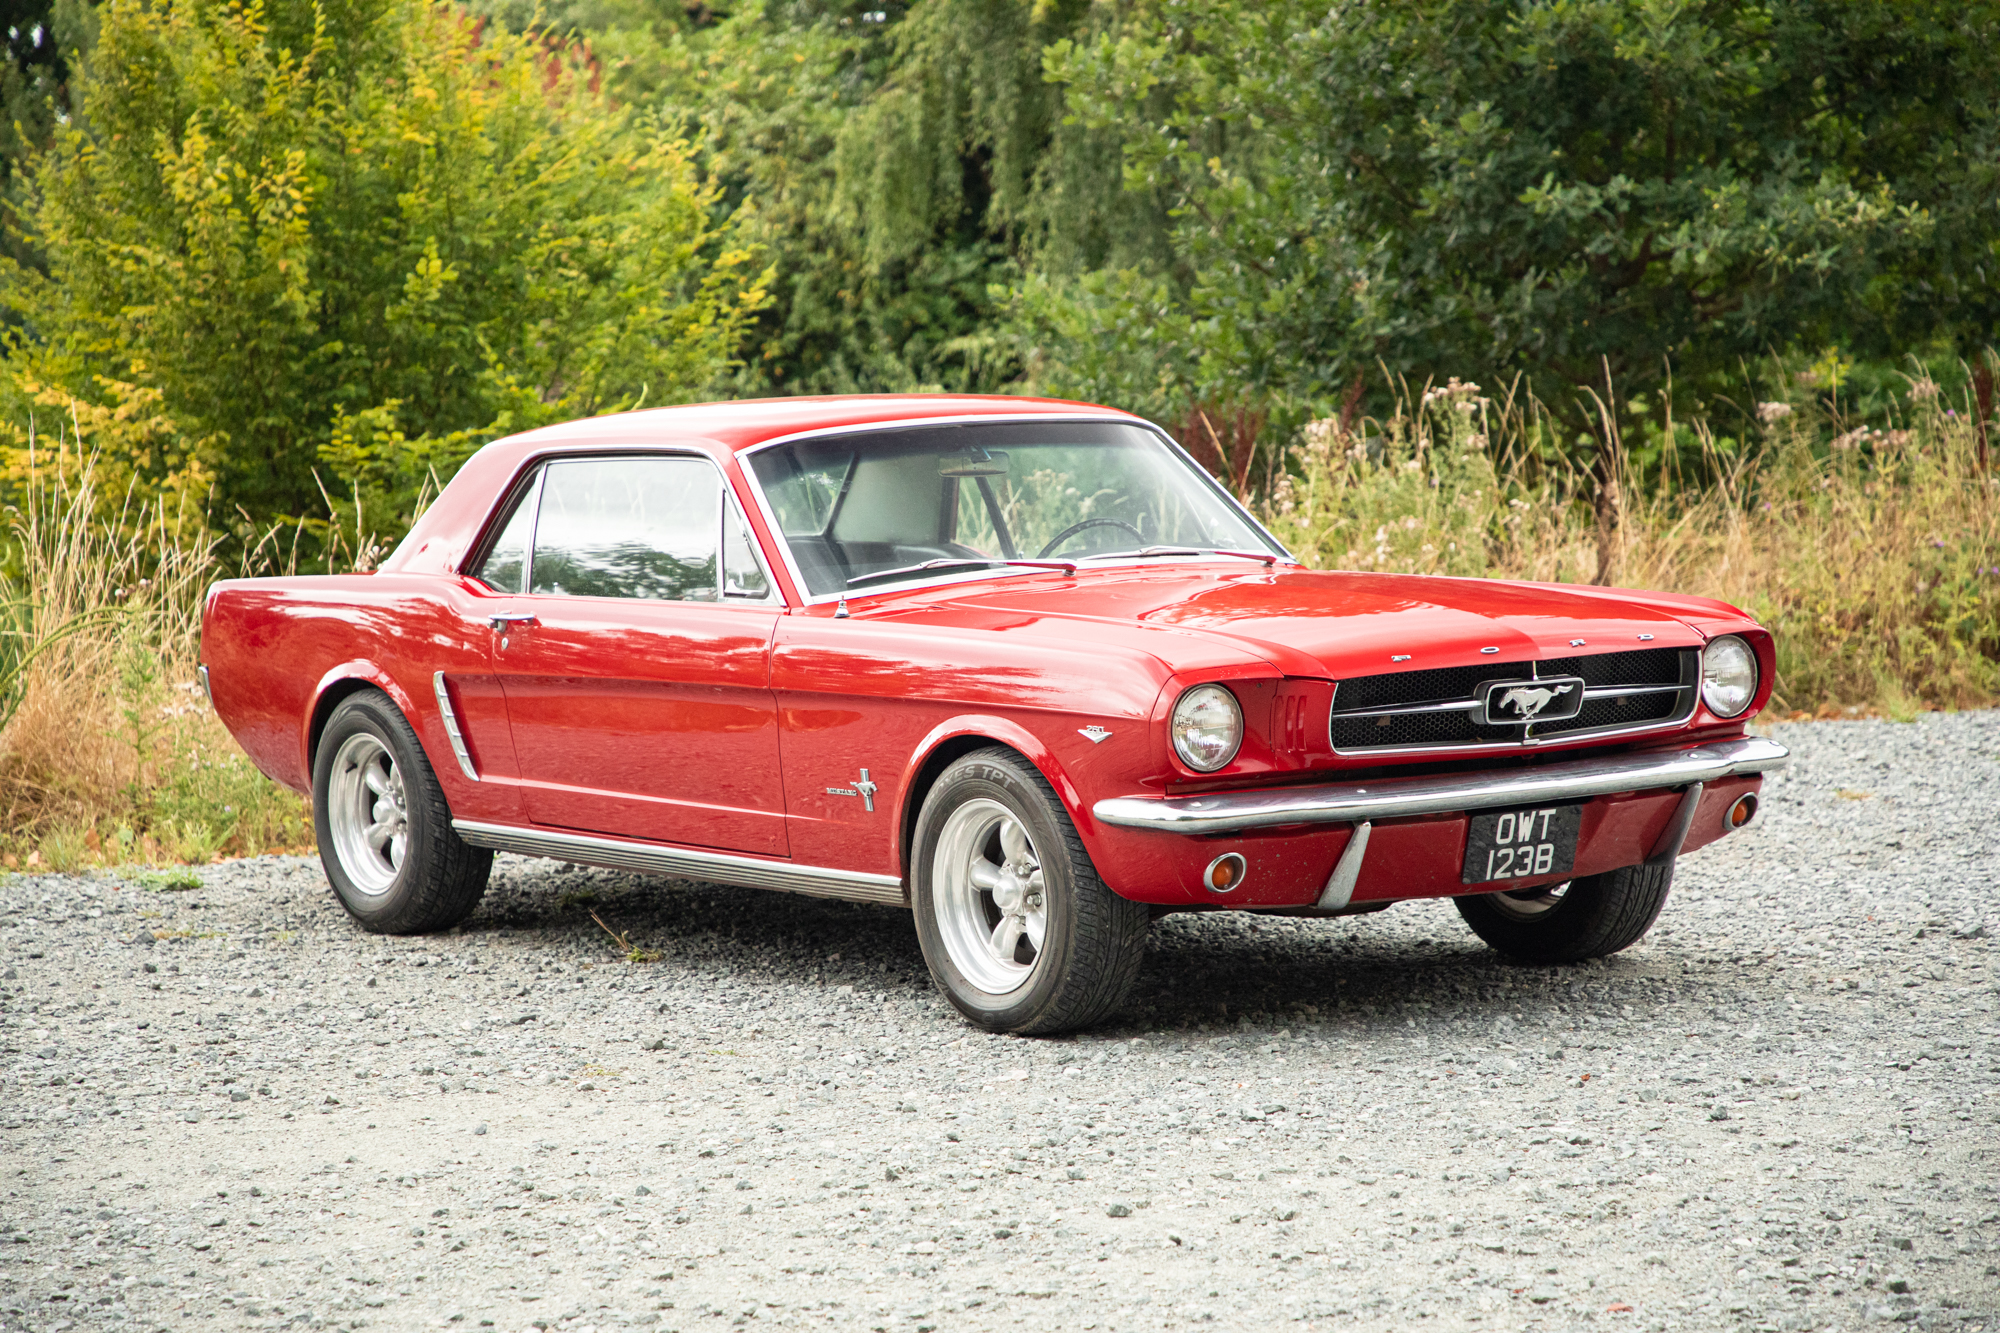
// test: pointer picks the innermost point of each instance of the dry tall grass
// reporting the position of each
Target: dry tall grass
(1873, 553)
(109, 753)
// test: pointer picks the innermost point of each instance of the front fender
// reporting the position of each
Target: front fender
(984, 727)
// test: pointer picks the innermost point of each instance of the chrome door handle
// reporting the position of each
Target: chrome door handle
(507, 619)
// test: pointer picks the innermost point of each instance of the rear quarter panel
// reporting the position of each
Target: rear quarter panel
(280, 651)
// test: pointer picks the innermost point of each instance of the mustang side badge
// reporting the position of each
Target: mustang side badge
(865, 789)
(1093, 733)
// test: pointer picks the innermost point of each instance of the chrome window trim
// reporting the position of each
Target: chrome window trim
(771, 524)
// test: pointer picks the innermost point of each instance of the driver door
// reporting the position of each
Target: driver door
(636, 658)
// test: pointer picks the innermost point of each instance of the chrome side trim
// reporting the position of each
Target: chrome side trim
(1668, 849)
(206, 692)
(1339, 889)
(451, 730)
(1341, 803)
(682, 862)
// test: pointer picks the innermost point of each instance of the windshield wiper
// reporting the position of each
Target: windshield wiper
(1148, 552)
(960, 562)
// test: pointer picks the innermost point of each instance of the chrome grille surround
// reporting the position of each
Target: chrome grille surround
(1444, 708)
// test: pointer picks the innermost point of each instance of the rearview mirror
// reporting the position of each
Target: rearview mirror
(974, 463)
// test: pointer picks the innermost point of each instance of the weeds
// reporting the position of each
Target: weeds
(1872, 552)
(632, 953)
(171, 881)
(109, 753)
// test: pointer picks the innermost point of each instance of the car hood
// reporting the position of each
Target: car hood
(1341, 624)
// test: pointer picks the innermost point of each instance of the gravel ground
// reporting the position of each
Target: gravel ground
(1779, 1111)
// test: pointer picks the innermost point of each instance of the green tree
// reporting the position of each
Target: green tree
(1564, 191)
(376, 232)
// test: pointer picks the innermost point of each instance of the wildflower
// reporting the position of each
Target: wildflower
(1853, 439)
(1772, 413)
(1282, 497)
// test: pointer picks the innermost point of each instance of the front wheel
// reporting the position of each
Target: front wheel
(385, 834)
(1019, 932)
(1590, 917)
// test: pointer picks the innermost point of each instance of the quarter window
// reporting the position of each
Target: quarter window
(506, 563)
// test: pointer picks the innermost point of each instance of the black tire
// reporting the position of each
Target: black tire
(1092, 940)
(438, 878)
(1592, 917)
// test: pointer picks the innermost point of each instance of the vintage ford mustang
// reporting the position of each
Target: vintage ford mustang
(1018, 665)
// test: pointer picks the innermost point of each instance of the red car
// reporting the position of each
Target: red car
(1019, 665)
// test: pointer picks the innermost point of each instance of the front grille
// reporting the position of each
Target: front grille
(1405, 710)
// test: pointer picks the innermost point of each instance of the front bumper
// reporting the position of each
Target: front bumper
(1353, 803)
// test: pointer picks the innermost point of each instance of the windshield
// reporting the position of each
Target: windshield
(931, 501)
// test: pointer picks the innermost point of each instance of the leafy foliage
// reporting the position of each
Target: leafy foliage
(1555, 190)
(374, 231)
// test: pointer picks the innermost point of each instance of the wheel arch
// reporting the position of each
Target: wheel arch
(344, 681)
(955, 739)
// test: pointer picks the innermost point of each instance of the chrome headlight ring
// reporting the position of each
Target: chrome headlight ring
(1207, 727)
(1728, 675)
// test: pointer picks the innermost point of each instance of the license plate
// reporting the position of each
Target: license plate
(1521, 844)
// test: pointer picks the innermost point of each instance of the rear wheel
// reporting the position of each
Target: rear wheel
(1020, 933)
(385, 834)
(1567, 923)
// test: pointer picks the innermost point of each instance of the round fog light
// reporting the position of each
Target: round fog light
(1741, 813)
(1225, 872)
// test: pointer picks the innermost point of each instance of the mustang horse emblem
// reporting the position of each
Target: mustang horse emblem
(1526, 700)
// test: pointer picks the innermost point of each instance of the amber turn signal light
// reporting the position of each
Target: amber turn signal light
(1741, 813)
(1225, 872)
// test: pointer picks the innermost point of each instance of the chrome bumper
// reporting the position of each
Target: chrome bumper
(1344, 803)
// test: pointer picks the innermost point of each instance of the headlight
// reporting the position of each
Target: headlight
(1207, 727)
(1728, 676)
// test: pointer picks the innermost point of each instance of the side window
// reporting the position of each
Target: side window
(742, 574)
(628, 527)
(507, 560)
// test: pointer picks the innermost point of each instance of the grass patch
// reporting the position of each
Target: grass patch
(172, 881)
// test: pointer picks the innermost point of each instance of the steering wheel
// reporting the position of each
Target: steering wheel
(1088, 523)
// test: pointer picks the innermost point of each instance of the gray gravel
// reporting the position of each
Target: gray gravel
(1777, 1112)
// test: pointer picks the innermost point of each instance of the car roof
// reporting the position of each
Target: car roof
(745, 423)
(445, 532)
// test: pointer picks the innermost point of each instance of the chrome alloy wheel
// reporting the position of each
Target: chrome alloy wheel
(1528, 904)
(988, 892)
(365, 806)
